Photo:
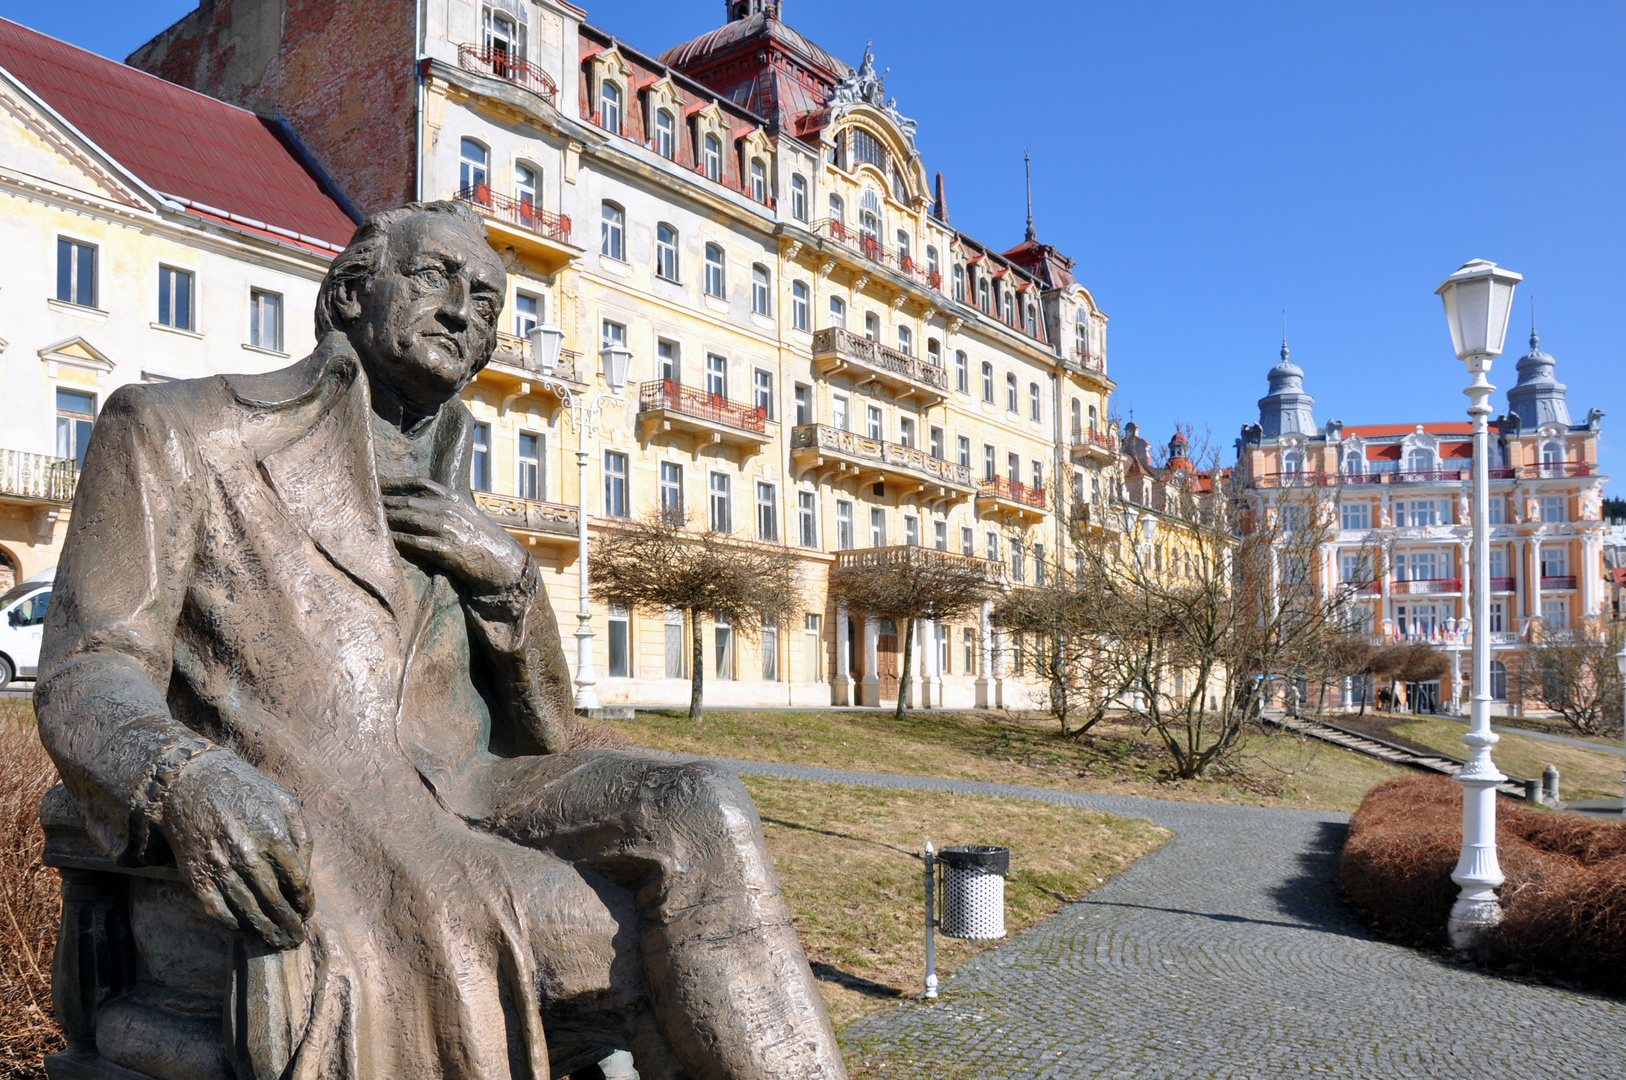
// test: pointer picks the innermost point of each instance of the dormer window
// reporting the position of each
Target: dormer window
(1032, 321)
(798, 197)
(982, 294)
(1353, 463)
(609, 106)
(867, 148)
(959, 283)
(665, 128)
(1419, 460)
(759, 180)
(1009, 306)
(711, 157)
(1292, 462)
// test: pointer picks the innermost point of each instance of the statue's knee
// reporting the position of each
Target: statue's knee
(711, 802)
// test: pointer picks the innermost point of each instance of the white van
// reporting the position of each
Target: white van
(22, 621)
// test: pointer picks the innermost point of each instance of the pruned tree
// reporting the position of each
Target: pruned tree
(1383, 663)
(657, 563)
(1420, 662)
(1577, 675)
(906, 584)
(1341, 655)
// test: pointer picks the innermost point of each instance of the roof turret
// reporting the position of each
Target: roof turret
(1286, 408)
(1538, 398)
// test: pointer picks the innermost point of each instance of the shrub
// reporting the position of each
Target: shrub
(30, 903)
(1564, 901)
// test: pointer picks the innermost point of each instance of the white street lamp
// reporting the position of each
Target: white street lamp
(585, 411)
(1478, 299)
(1620, 665)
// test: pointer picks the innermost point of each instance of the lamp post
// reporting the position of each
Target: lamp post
(1620, 665)
(584, 410)
(1478, 299)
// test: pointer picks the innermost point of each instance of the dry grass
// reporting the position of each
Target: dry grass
(1564, 902)
(848, 858)
(30, 904)
(1583, 774)
(1016, 748)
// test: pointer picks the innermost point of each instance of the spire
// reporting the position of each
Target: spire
(1027, 166)
(1535, 341)
(940, 205)
(1284, 335)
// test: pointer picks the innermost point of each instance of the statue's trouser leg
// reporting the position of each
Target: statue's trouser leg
(730, 985)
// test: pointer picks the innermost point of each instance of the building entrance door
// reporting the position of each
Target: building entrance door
(887, 659)
(1424, 697)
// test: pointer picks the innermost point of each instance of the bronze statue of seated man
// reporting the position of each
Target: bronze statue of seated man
(288, 656)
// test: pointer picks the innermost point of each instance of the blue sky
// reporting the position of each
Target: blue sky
(1211, 164)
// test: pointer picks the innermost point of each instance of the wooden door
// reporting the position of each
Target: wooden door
(888, 659)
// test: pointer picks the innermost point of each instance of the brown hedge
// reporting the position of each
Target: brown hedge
(1564, 901)
(29, 901)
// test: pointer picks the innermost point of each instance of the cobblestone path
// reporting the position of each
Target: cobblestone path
(1224, 954)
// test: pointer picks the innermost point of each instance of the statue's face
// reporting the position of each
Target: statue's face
(429, 315)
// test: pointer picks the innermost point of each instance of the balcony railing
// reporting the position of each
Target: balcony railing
(1501, 474)
(1427, 586)
(1502, 584)
(1084, 360)
(1295, 479)
(1014, 491)
(872, 354)
(871, 248)
(1094, 437)
(1503, 637)
(37, 477)
(1564, 468)
(1425, 476)
(887, 454)
(531, 515)
(904, 554)
(1554, 582)
(503, 65)
(523, 214)
(515, 351)
(1362, 588)
(675, 397)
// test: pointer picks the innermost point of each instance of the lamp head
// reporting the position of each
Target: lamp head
(546, 341)
(1478, 299)
(615, 361)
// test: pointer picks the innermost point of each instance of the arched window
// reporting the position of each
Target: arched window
(1078, 419)
(504, 42)
(987, 382)
(665, 134)
(1009, 306)
(872, 326)
(711, 157)
(761, 290)
(1032, 321)
(1011, 404)
(982, 294)
(932, 268)
(1419, 460)
(1354, 463)
(838, 313)
(759, 180)
(1094, 420)
(838, 210)
(612, 232)
(934, 353)
(527, 185)
(716, 271)
(905, 256)
(1292, 462)
(666, 251)
(798, 197)
(1498, 679)
(471, 171)
(609, 106)
(906, 341)
(962, 372)
(801, 306)
(1552, 453)
(959, 283)
(869, 226)
(1081, 333)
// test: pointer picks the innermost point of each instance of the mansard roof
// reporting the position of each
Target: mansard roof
(764, 65)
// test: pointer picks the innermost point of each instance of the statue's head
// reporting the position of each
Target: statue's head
(418, 292)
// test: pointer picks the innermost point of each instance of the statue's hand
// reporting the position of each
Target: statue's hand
(241, 844)
(431, 523)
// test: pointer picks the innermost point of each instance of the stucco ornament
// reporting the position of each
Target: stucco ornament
(289, 657)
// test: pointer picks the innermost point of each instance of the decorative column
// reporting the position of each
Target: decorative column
(1533, 592)
(1386, 607)
(932, 692)
(1002, 687)
(985, 657)
(870, 690)
(841, 686)
(586, 695)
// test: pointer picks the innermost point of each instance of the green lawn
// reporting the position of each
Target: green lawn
(1583, 774)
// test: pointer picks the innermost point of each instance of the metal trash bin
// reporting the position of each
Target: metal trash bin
(972, 888)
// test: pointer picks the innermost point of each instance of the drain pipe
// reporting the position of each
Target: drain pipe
(418, 63)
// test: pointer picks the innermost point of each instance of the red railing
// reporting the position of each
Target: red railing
(1425, 586)
(1001, 487)
(1358, 478)
(1501, 474)
(1094, 437)
(1295, 479)
(1425, 476)
(674, 396)
(1090, 361)
(1564, 468)
(872, 249)
(1502, 584)
(517, 212)
(1557, 581)
(503, 65)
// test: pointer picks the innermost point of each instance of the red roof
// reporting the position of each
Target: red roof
(175, 140)
(1379, 431)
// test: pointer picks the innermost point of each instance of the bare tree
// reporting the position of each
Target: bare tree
(1576, 674)
(658, 563)
(909, 583)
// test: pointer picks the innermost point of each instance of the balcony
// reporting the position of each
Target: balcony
(36, 479)
(1295, 479)
(1011, 496)
(872, 250)
(1426, 587)
(1503, 585)
(903, 554)
(840, 352)
(1362, 588)
(553, 524)
(500, 64)
(1091, 443)
(512, 371)
(665, 405)
(1558, 469)
(1557, 582)
(1430, 476)
(837, 454)
(1084, 362)
(519, 224)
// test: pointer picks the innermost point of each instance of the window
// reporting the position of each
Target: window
(666, 252)
(671, 492)
(471, 171)
(612, 333)
(618, 640)
(722, 511)
(711, 158)
(716, 283)
(670, 361)
(806, 526)
(75, 273)
(844, 525)
(759, 180)
(812, 651)
(770, 651)
(612, 238)
(839, 412)
(674, 643)
(801, 306)
(989, 469)
(1553, 562)
(526, 186)
(1498, 679)
(1354, 567)
(937, 443)
(962, 373)
(911, 530)
(1354, 463)
(1038, 564)
(1094, 420)
(968, 638)
(1013, 468)
(869, 228)
(761, 287)
(872, 326)
(75, 414)
(905, 260)
(906, 341)
(762, 392)
(716, 375)
(174, 298)
(615, 485)
(725, 650)
(1035, 409)
(968, 541)
(987, 382)
(1010, 392)
(609, 106)
(838, 313)
(1555, 613)
(872, 422)
(962, 449)
(1016, 561)
(1078, 420)
(1031, 321)
(1081, 332)
(798, 196)
(940, 535)
(1494, 512)
(480, 459)
(1292, 462)
(1552, 454)
(877, 527)
(906, 431)
(1552, 508)
(528, 483)
(838, 212)
(992, 547)
(959, 283)
(527, 313)
(265, 320)
(932, 267)
(503, 40)
(665, 143)
(1419, 460)
(867, 148)
(767, 512)
(1355, 515)
(1037, 472)
(982, 294)
(804, 404)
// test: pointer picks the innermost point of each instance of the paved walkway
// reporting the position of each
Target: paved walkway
(1224, 954)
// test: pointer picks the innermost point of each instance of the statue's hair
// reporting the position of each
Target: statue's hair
(367, 250)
